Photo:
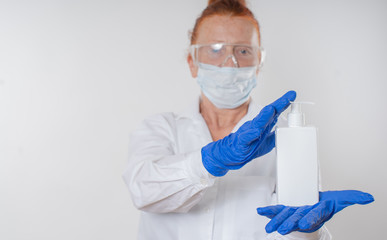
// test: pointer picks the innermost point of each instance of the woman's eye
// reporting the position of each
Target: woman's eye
(244, 51)
(216, 50)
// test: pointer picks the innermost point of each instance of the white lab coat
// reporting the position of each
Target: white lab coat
(180, 200)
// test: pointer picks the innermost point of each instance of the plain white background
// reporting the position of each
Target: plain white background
(76, 77)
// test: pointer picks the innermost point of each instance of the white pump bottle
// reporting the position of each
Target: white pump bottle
(297, 163)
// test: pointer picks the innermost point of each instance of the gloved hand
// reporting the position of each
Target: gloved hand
(310, 218)
(253, 139)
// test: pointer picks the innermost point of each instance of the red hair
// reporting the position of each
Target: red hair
(232, 8)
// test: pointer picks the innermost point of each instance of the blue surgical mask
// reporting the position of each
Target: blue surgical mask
(226, 87)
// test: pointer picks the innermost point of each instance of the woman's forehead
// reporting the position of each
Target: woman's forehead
(227, 29)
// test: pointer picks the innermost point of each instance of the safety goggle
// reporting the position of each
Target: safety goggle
(219, 54)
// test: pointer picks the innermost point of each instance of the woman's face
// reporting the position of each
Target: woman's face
(224, 29)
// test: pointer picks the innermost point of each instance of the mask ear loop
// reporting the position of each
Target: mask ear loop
(235, 62)
(193, 52)
(263, 56)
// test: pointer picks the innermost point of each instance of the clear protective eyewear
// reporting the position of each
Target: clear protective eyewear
(218, 54)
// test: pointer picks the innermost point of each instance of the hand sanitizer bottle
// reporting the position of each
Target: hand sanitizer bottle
(297, 164)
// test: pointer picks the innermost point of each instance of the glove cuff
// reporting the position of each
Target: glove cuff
(210, 163)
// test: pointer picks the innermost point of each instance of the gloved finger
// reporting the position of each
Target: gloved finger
(270, 211)
(358, 197)
(248, 136)
(347, 197)
(261, 120)
(283, 102)
(291, 224)
(279, 106)
(244, 127)
(264, 147)
(264, 117)
(279, 219)
(314, 219)
(257, 126)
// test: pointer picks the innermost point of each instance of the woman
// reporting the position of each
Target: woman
(187, 171)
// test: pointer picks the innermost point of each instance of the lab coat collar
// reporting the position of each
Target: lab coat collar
(192, 112)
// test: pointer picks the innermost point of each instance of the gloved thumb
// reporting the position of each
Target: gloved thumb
(357, 197)
(347, 197)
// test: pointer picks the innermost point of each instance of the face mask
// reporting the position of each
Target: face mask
(226, 87)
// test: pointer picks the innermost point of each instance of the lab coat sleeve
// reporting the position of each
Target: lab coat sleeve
(159, 179)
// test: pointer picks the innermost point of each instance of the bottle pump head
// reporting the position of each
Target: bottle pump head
(295, 117)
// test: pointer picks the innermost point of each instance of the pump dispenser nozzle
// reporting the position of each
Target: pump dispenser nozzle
(295, 117)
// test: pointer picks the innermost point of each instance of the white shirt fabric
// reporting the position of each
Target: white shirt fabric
(180, 200)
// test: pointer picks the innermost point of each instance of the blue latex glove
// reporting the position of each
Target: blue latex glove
(310, 218)
(253, 139)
